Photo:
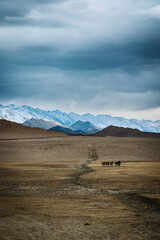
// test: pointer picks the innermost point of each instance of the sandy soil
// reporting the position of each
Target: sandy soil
(11, 130)
(50, 189)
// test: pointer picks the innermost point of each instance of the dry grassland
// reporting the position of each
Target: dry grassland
(50, 189)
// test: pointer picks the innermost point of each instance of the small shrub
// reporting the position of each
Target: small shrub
(92, 153)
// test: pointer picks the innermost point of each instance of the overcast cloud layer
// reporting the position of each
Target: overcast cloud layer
(97, 56)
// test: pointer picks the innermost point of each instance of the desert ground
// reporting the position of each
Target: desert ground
(52, 188)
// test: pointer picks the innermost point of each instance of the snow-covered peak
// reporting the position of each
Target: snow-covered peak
(1, 106)
(20, 114)
(12, 106)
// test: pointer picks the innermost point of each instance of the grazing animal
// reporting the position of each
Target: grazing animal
(105, 163)
(118, 163)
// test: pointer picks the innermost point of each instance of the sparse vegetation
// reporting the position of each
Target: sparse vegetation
(58, 196)
(92, 152)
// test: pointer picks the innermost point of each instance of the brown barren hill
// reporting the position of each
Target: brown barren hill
(114, 131)
(12, 130)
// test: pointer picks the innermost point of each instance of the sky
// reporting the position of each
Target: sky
(96, 56)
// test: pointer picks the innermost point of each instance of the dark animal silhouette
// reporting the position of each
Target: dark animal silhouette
(118, 163)
(107, 163)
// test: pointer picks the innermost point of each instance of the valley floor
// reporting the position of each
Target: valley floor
(51, 189)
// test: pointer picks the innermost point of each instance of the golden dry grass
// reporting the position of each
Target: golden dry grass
(49, 191)
(130, 175)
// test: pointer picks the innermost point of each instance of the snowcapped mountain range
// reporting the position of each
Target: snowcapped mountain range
(20, 114)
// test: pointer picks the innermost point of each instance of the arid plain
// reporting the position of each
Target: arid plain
(51, 188)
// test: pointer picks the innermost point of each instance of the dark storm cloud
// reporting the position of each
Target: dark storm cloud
(112, 88)
(20, 8)
(103, 54)
(130, 57)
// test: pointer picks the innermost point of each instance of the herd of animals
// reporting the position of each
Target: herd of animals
(118, 163)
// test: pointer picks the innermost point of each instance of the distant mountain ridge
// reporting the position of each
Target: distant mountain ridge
(40, 123)
(113, 131)
(20, 114)
(12, 130)
(68, 131)
(86, 127)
